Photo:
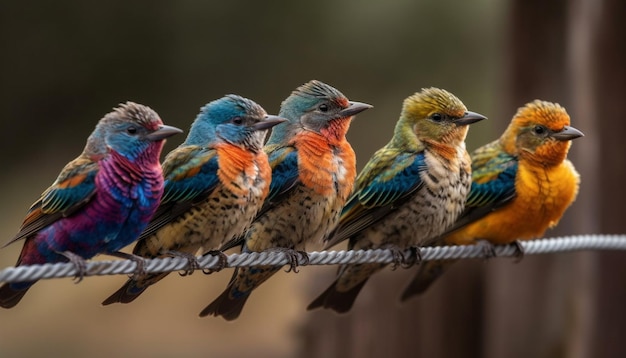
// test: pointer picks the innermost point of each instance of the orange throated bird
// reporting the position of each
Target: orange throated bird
(313, 171)
(522, 185)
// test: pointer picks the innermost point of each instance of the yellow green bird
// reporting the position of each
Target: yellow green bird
(522, 185)
(409, 192)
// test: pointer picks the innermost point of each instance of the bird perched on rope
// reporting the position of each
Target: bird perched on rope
(409, 192)
(313, 170)
(101, 201)
(215, 182)
(522, 185)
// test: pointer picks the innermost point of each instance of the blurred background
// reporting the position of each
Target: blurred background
(65, 64)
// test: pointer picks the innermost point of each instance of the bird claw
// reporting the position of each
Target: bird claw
(292, 257)
(293, 265)
(305, 258)
(79, 264)
(414, 258)
(192, 261)
(488, 249)
(140, 262)
(519, 251)
(398, 258)
(140, 270)
(221, 262)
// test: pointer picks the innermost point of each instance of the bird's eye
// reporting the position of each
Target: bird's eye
(237, 120)
(540, 130)
(437, 117)
(323, 107)
(131, 130)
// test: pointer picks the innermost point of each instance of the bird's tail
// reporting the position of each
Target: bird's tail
(427, 274)
(244, 280)
(338, 301)
(226, 305)
(133, 288)
(11, 293)
(339, 298)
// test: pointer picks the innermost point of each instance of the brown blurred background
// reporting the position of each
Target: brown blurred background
(65, 64)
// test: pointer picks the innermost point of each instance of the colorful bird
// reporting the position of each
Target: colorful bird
(522, 185)
(409, 192)
(215, 182)
(313, 170)
(101, 201)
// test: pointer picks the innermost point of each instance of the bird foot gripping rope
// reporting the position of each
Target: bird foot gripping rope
(168, 264)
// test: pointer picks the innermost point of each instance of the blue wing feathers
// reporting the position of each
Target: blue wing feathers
(284, 172)
(189, 187)
(383, 191)
(493, 191)
(190, 177)
(386, 188)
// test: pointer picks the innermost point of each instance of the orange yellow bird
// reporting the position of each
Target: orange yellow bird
(522, 185)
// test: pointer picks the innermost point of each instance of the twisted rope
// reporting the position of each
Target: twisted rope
(274, 258)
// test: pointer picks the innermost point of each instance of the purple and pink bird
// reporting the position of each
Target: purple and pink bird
(101, 201)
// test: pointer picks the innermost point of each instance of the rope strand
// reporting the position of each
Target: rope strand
(119, 267)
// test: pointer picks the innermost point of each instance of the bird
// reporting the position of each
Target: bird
(313, 171)
(101, 200)
(409, 191)
(215, 182)
(522, 183)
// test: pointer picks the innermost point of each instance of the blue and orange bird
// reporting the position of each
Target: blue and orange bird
(522, 184)
(409, 192)
(101, 201)
(215, 183)
(313, 171)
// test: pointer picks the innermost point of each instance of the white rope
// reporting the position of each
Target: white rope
(117, 267)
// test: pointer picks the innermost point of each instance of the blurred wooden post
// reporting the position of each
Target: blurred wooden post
(609, 86)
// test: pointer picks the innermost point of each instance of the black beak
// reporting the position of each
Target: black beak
(163, 132)
(355, 108)
(568, 133)
(469, 118)
(268, 122)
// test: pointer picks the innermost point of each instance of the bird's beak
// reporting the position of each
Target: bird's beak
(353, 109)
(268, 122)
(469, 118)
(568, 133)
(163, 132)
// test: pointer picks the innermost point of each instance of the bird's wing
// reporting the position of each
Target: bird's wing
(285, 175)
(493, 184)
(386, 182)
(190, 174)
(73, 188)
(284, 163)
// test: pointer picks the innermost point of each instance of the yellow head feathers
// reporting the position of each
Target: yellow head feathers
(430, 100)
(433, 116)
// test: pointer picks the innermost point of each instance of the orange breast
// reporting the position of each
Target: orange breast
(322, 166)
(543, 195)
(240, 169)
